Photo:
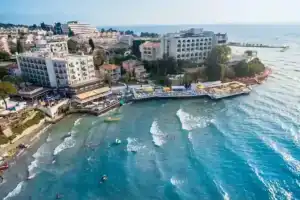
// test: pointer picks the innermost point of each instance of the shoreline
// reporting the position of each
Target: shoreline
(33, 133)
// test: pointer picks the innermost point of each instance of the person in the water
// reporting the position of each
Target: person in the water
(103, 178)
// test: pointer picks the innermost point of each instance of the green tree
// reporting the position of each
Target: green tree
(241, 69)
(70, 33)
(6, 89)
(91, 43)
(43, 26)
(72, 45)
(4, 55)
(216, 61)
(3, 72)
(127, 77)
(255, 67)
(133, 73)
(99, 57)
(16, 80)
(108, 79)
(219, 54)
(20, 46)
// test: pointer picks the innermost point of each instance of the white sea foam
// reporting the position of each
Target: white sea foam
(134, 145)
(157, 135)
(77, 122)
(190, 136)
(176, 182)
(41, 153)
(273, 187)
(68, 142)
(16, 191)
(224, 193)
(49, 138)
(189, 122)
(286, 156)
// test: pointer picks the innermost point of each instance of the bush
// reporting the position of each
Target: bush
(3, 139)
(21, 127)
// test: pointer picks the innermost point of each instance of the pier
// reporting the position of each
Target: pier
(238, 44)
(215, 92)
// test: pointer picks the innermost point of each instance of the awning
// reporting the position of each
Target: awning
(92, 95)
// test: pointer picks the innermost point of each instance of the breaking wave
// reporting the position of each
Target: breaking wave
(41, 153)
(189, 122)
(15, 191)
(157, 135)
(77, 122)
(133, 145)
(293, 163)
(273, 187)
(176, 182)
(68, 143)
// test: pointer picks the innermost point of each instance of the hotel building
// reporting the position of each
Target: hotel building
(79, 28)
(193, 44)
(58, 70)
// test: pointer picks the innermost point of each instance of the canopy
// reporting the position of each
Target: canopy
(148, 89)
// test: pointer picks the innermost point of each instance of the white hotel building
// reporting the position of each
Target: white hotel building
(56, 71)
(80, 28)
(193, 44)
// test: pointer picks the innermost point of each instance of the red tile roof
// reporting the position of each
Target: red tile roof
(110, 66)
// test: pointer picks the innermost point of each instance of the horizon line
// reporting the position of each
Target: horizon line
(187, 24)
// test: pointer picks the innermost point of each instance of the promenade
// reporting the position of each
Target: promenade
(220, 91)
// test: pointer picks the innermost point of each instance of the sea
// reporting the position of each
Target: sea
(241, 148)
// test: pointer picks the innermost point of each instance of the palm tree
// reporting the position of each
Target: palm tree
(6, 89)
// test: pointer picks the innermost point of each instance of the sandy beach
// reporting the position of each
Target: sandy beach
(27, 137)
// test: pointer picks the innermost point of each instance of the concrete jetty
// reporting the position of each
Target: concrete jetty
(239, 44)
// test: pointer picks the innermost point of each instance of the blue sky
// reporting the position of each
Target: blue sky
(142, 12)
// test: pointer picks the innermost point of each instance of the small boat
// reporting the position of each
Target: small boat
(111, 119)
(5, 166)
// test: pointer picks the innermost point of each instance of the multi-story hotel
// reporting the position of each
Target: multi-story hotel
(193, 44)
(56, 70)
(79, 28)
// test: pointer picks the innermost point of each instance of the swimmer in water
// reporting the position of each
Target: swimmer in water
(59, 196)
(103, 178)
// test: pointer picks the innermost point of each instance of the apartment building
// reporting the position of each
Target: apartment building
(54, 47)
(114, 71)
(150, 51)
(193, 44)
(80, 28)
(56, 70)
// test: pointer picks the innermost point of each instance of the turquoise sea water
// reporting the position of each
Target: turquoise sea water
(246, 147)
